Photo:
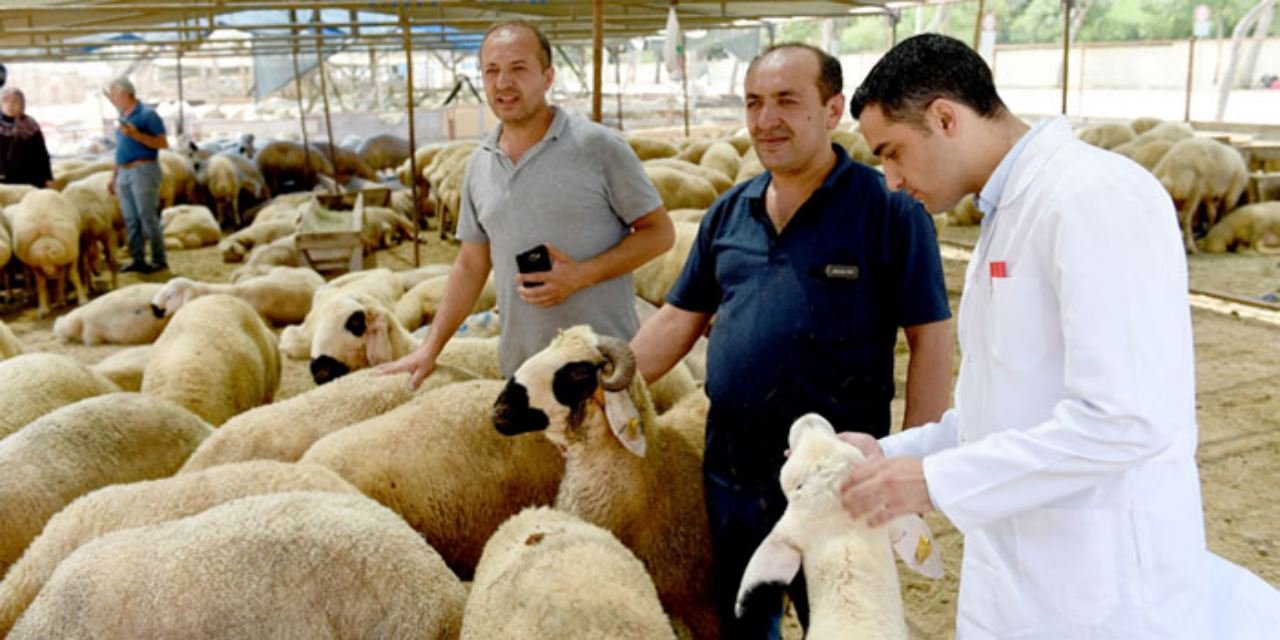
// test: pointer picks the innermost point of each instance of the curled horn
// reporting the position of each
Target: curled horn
(620, 363)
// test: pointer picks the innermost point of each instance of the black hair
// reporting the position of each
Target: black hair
(830, 76)
(544, 56)
(922, 69)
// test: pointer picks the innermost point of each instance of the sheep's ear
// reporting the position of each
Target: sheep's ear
(772, 567)
(624, 421)
(913, 542)
(377, 339)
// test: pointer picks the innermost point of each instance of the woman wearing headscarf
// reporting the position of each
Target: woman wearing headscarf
(23, 156)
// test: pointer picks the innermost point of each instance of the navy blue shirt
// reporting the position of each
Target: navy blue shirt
(147, 121)
(806, 319)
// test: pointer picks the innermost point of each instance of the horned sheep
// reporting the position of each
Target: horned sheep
(138, 504)
(548, 574)
(299, 564)
(622, 471)
(120, 437)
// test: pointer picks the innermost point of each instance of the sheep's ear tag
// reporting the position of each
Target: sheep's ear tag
(624, 421)
(914, 544)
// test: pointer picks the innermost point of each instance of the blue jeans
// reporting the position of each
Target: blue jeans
(138, 189)
(740, 517)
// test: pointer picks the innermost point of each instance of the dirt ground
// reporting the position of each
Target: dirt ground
(1238, 376)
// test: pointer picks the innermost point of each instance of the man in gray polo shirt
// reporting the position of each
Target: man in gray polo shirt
(544, 177)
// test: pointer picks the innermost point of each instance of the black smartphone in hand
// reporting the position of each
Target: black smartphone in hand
(535, 260)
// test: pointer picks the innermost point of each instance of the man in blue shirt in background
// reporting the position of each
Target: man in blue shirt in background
(136, 181)
(809, 270)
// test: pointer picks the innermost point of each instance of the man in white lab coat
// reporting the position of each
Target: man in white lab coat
(1068, 461)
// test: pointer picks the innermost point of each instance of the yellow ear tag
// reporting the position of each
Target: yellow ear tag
(624, 421)
(923, 549)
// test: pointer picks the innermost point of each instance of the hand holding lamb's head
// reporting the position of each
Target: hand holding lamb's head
(567, 385)
(811, 479)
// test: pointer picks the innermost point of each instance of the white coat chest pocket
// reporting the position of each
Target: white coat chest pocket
(1018, 324)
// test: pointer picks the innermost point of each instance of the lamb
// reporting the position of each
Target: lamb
(352, 331)
(288, 565)
(282, 296)
(419, 304)
(46, 238)
(851, 577)
(99, 219)
(216, 358)
(124, 368)
(221, 178)
(122, 316)
(1200, 173)
(656, 277)
(281, 252)
(189, 226)
(437, 461)
(547, 574)
(681, 190)
(379, 285)
(236, 246)
(178, 181)
(1107, 136)
(1255, 226)
(119, 437)
(36, 383)
(622, 471)
(723, 158)
(715, 178)
(138, 504)
(648, 148)
(9, 345)
(285, 430)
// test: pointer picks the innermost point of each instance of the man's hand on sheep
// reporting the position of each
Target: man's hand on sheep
(884, 489)
(565, 278)
(867, 444)
(419, 363)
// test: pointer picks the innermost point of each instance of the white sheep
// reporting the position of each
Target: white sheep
(217, 358)
(411, 278)
(1201, 175)
(681, 190)
(380, 285)
(236, 246)
(124, 368)
(119, 437)
(67, 171)
(850, 574)
(656, 277)
(438, 462)
(285, 430)
(46, 238)
(623, 471)
(650, 148)
(177, 179)
(383, 226)
(548, 574)
(14, 193)
(9, 344)
(189, 226)
(714, 177)
(36, 383)
(6, 246)
(300, 564)
(281, 296)
(722, 157)
(1107, 136)
(100, 217)
(221, 178)
(138, 504)
(1254, 226)
(123, 316)
(420, 303)
(281, 252)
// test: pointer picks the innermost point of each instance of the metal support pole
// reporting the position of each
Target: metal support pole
(1191, 65)
(413, 134)
(597, 59)
(977, 25)
(324, 94)
(302, 112)
(1066, 49)
(181, 109)
(617, 81)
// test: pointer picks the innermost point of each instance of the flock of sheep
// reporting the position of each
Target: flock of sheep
(164, 491)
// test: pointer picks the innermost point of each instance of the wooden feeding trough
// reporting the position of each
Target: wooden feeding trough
(329, 239)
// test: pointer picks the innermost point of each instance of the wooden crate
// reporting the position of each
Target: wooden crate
(334, 252)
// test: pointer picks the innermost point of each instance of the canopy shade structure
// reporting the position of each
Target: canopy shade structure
(76, 29)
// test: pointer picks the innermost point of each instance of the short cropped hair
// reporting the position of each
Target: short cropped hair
(922, 69)
(14, 92)
(830, 75)
(122, 83)
(544, 56)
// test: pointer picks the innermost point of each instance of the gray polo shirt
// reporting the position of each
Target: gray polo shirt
(578, 189)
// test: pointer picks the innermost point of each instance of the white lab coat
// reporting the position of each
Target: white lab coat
(1076, 486)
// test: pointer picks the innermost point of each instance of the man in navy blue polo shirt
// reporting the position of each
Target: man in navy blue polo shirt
(136, 181)
(809, 269)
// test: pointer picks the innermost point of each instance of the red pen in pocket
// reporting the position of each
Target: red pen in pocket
(999, 269)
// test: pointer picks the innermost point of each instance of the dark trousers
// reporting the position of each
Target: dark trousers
(740, 518)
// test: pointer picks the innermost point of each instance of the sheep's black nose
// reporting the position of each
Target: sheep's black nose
(327, 369)
(512, 414)
(158, 312)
